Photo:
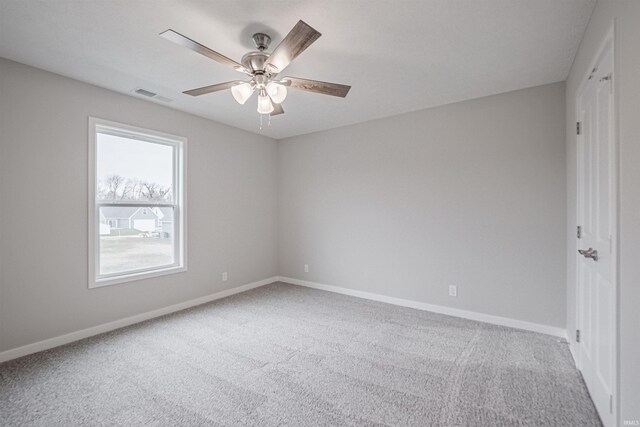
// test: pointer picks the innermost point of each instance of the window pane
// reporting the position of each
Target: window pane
(130, 169)
(135, 238)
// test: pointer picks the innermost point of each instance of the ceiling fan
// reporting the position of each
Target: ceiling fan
(263, 69)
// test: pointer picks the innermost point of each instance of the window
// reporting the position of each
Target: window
(136, 203)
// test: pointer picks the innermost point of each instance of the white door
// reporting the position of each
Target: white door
(597, 244)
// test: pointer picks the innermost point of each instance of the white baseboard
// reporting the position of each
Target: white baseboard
(471, 315)
(116, 324)
(572, 350)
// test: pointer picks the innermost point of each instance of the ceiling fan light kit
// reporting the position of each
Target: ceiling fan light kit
(277, 92)
(263, 68)
(241, 92)
(265, 106)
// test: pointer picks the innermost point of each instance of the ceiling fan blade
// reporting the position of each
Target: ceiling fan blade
(201, 49)
(277, 109)
(298, 39)
(333, 89)
(212, 88)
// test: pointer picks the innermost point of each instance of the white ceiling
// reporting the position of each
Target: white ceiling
(399, 55)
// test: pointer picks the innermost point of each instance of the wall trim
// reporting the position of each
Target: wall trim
(117, 324)
(471, 315)
(572, 350)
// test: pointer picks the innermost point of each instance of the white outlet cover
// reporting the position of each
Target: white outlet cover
(224, 276)
(306, 268)
(453, 291)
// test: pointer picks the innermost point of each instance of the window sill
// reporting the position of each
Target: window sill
(131, 277)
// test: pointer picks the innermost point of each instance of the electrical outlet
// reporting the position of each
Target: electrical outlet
(453, 291)
(306, 268)
(224, 276)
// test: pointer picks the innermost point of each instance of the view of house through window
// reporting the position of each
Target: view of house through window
(137, 203)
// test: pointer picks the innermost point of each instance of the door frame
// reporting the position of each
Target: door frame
(609, 39)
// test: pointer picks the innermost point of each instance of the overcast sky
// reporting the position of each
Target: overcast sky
(131, 158)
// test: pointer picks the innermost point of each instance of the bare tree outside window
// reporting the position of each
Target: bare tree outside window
(117, 187)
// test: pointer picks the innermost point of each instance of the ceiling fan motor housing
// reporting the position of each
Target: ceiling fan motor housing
(254, 61)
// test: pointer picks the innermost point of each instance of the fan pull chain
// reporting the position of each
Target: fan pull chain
(268, 121)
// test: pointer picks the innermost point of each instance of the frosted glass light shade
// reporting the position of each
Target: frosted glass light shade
(277, 92)
(242, 92)
(264, 104)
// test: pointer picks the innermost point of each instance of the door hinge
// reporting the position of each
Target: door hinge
(577, 335)
(578, 128)
(611, 403)
(579, 232)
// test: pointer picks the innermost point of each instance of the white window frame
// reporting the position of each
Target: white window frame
(179, 203)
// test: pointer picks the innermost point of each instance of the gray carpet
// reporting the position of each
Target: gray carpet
(286, 355)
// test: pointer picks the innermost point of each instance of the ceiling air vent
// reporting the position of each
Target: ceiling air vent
(150, 94)
(145, 93)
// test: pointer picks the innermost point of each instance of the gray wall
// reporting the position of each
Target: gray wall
(470, 194)
(627, 91)
(43, 181)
